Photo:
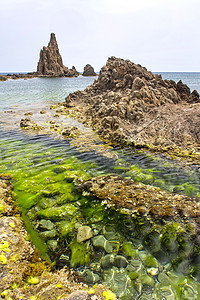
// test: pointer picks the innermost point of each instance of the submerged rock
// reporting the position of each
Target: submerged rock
(107, 261)
(70, 132)
(48, 234)
(84, 233)
(100, 241)
(89, 276)
(45, 224)
(50, 62)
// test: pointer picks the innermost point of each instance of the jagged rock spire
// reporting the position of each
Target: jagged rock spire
(51, 63)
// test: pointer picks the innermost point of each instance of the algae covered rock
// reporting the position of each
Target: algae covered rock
(52, 245)
(48, 234)
(45, 224)
(57, 213)
(80, 254)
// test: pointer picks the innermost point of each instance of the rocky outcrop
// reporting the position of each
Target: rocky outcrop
(128, 104)
(89, 71)
(51, 63)
(3, 78)
(21, 265)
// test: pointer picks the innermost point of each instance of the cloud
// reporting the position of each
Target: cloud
(125, 6)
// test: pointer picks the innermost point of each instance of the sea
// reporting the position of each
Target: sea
(26, 92)
(44, 169)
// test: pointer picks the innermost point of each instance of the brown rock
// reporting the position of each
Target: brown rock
(3, 78)
(89, 71)
(80, 295)
(147, 109)
(50, 62)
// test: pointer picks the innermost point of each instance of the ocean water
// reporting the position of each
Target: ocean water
(26, 92)
(192, 79)
(31, 91)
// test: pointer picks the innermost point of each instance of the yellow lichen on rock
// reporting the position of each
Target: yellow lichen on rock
(109, 295)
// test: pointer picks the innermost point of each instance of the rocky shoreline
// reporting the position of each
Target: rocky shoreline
(23, 274)
(129, 106)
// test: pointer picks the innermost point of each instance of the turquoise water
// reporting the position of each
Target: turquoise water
(45, 172)
(27, 92)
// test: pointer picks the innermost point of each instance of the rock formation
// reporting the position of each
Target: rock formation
(89, 71)
(50, 62)
(128, 104)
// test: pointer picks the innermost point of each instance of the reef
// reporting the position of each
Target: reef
(51, 64)
(128, 105)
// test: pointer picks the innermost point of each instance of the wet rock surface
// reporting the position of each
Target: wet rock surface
(129, 105)
(23, 274)
(50, 62)
(141, 198)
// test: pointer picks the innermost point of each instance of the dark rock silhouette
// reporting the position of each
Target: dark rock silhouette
(89, 71)
(51, 63)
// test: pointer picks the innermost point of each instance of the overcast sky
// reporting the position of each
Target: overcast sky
(162, 35)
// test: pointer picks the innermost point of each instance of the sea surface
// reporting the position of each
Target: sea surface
(44, 169)
(26, 92)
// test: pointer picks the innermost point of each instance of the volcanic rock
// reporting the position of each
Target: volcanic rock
(51, 63)
(89, 71)
(127, 104)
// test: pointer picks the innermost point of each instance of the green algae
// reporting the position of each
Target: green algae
(80, 254)
(66, 228)
(44, 186)
(57, 213)
(128, 249)
(35, 238)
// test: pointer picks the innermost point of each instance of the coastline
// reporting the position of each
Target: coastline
(86, 107)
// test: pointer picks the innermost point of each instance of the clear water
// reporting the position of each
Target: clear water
(44, 172)
(27, 92)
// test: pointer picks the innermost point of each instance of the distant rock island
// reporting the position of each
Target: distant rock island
(89, 71)
(51, 64)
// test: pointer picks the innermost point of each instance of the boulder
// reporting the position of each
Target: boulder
(51, 63)
(84, 234)
(89, 71)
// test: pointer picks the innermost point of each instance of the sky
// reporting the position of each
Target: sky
(161, 35)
